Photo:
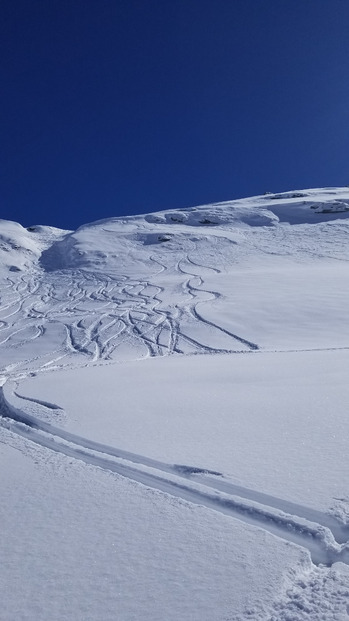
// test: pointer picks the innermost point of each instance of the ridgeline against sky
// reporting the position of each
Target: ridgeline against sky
(130, 106)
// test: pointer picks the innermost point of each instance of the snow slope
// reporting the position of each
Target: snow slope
(174, 414)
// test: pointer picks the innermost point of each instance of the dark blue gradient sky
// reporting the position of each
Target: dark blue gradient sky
(114, 107)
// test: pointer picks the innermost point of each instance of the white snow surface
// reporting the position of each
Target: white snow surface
(174, 414)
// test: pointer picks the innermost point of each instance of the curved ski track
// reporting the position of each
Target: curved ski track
(98, 314)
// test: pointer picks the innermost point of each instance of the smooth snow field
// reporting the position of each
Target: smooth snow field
(174, 425)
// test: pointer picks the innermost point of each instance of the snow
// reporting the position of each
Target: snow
(94, 546)
(174, 423)
(288, 409)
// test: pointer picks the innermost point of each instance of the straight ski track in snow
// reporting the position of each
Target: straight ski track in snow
(324, 537)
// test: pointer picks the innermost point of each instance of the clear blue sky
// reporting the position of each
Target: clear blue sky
(113, 107)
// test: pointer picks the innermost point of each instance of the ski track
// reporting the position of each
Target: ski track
(98, 314)
(324, 537)
(198, 292)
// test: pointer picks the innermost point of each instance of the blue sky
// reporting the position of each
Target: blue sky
(114, 107)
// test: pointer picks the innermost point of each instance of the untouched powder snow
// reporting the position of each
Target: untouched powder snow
(173, 399)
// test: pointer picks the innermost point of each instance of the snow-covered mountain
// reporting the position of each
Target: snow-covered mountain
(174, 414)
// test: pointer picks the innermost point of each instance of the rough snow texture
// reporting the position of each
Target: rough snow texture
(174, 423)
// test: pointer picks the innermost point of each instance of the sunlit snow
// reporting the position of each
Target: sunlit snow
(174, 414)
